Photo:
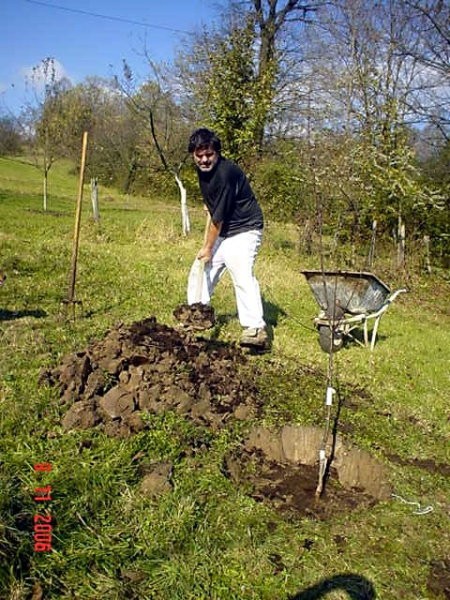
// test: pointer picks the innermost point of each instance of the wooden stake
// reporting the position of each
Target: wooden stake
(401, 233)
(76, 234)
(426, 243)
(372, 244)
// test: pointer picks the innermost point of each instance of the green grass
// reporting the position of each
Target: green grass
(206, 539)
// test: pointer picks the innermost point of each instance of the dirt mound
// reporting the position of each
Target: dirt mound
(150, 367)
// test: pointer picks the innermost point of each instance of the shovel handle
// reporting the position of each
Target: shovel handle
(207, 224)
(202, 263)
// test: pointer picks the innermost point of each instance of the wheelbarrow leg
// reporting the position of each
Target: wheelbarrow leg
(366, 332)
(374, 332)
(382, 310)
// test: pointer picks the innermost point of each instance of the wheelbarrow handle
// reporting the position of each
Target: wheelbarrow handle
(393, 296)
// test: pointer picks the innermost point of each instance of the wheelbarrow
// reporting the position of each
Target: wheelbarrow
(348, 300)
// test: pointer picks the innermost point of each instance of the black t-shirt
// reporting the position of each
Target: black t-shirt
(230, 199)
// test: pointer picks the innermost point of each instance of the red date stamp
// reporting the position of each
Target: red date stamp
(42, 523)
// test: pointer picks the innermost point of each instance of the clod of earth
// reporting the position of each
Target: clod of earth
(281, 467)
(439, 578)
(151, 367)
(158, 480)
(132, 576)
(195, 317)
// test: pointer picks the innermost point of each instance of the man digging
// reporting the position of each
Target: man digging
(234, 235)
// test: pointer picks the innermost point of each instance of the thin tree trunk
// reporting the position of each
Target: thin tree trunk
(130, 176)
(45, 188)
(184, 209)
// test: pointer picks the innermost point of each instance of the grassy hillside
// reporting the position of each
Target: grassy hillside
(206, 537)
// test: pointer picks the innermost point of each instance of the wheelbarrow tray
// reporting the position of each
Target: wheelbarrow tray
(348, 300)
(349, 291)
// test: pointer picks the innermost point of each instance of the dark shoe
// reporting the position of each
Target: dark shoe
(255, 337)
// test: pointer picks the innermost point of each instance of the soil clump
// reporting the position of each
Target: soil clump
(195, 317)
(439, 578)
(151, 367)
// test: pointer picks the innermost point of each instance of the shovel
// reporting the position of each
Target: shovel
(196, 274)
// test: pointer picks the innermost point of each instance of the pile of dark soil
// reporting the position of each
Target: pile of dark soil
(150, 367)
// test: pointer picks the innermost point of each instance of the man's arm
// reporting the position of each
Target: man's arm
(212, 235)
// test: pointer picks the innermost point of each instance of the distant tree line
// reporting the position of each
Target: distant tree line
(338, 109)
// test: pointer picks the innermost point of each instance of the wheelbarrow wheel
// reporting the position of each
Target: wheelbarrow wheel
(330, 341)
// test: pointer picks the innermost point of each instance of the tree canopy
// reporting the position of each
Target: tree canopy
(324, 102)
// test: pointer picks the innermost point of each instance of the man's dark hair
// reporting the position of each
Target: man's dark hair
(204, 138)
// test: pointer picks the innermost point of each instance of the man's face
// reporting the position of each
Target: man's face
(205, 159)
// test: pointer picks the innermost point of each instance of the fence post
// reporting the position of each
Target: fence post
(426, 243)
(401, 243)
(94, 199)
(372, 244)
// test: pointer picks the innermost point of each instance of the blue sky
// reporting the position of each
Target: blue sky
(83, 44)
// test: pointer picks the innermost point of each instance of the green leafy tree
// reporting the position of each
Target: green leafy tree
(236, 99)
(436, 172)
(234, 75)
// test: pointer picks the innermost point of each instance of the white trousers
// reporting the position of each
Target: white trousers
(236, 254)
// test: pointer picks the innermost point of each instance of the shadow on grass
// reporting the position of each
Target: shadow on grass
(356, 586)
(49, 213)
(221, 321)
(272, 312)
(224, 318)
(92, 312)
(357, 335)
(10, 315)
